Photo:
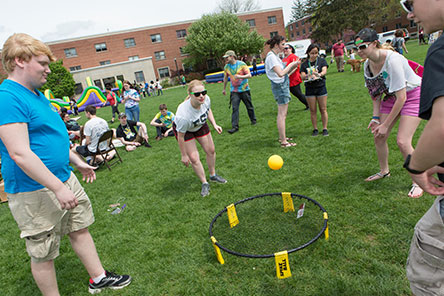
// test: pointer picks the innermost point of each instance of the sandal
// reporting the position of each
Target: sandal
(288, 144)
(288, 139)
(377, 176)
(413, 189)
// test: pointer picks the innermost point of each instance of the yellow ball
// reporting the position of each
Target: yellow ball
(275, 162)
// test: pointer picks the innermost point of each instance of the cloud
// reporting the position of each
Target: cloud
(69, 30)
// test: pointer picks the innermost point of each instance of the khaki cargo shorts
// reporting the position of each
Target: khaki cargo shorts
(43, 223)
(425, 264)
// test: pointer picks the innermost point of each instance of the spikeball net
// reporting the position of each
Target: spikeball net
(269, 225)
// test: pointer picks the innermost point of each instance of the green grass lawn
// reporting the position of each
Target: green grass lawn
(161, 239)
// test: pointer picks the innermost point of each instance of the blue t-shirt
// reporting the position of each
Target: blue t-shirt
(48, 137)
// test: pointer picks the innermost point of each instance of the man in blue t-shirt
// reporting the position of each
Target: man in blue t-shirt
(239, 73)
(425, 263)
(45, 198)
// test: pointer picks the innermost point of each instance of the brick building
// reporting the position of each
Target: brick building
(302, 28)
(146, 53)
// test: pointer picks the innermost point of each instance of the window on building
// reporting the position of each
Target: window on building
(251, 23)
(412, 24)
(302, 22)
(272, 20)
(182, 51)
(159, 55)
(129, 42)
(133, 58)
(291, 27)
(398, 26)
(120, 77)
(292, 35)
(303, 31)
(78, 88)
(310, 29)
(296, 25)
(181, 34)
(98, 83)
(100, 47)
(211, 64)
(111, 81)
(164, 72)
(272, 34)
(139, 76)
(75, 68)
(384, 29)
(70, 52)
(103, 63)
(156, 38)
(298, 33)
(384, 18)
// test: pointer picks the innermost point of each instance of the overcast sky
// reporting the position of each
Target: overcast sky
(51, 20)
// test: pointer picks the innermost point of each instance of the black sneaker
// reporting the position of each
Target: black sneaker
(205, 189)
(325, 132)
(233, 130)
(315, 133)
(218, 179)
(111, 280)
(253, 122)
(147, 145)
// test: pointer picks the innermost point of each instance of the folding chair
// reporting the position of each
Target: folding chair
(107, 137)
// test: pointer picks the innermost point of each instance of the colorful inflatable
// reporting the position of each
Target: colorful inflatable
(219, 76)
(92, 95)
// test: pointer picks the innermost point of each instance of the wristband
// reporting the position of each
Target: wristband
(406, 166)
(375, 117)
(375, 121)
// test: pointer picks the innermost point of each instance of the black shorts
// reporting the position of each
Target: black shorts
(83, 150)
(315, 92)
(202, 132)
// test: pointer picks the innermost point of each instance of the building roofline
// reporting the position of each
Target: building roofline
(149, 27)
(110, 65)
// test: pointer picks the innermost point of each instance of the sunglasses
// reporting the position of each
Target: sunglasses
(286, 47)
(197, 94)
(407, 5)
(360, 45)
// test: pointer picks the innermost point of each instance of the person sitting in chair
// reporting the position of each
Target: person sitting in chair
(127, 134)
(93, 130)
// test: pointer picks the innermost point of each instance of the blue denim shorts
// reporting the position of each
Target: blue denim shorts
(281, 91)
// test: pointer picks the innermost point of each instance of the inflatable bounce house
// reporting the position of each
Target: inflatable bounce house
(92, 95)
(219, 76)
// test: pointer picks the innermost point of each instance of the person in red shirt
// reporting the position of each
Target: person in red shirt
(338, 52)
(295, 75)
(112, 99)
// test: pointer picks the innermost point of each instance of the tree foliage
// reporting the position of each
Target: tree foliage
(235, 6)
(298, 10)
(59, 81)
(332, 17)
(214, 34)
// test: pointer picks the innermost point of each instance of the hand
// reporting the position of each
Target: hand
(66, 198)
(185, 160)
(218, 129)
(237, 76)
(373, 124)
(136, 144)
(87, 171)
(380, 131)
(428, 182)
(223, 92)
(165, 134)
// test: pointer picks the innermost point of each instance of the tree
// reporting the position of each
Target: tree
(298, 10)
(235, 6)
(332, 17)
(59, 81)
(214, 34)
